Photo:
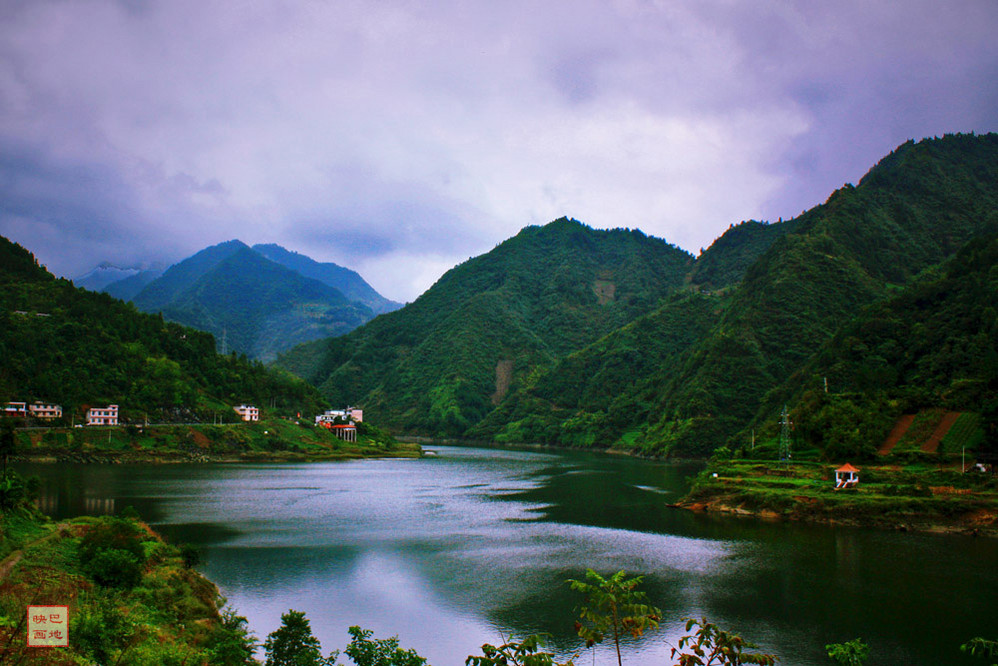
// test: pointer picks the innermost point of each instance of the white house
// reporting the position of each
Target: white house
(103, 416)
(349, 415)
(15, 409)
(247, 412)
(43, 411)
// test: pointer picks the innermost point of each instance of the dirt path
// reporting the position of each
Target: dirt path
(931, 445)
(9, 562)
(900, 428)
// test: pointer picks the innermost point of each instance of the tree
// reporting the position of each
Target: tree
(983, 648)
(710, 644)
(8, 443)
(366, 652)
(852, 653)
(515, 654)
(232, 643)
(613, 605)
(293, 644)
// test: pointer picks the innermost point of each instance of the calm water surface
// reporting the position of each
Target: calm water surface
(450, 550)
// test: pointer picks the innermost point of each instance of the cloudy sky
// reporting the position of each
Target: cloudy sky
(400, 138)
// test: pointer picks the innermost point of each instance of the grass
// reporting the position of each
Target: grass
(921, 429)
(170, 616)
(918, 495)
(967, 433)
(273, 439)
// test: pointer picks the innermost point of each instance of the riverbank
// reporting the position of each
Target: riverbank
(277, 440)
(131, 597)
(918, 497)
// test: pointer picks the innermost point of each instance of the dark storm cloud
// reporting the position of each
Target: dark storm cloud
(400, 138)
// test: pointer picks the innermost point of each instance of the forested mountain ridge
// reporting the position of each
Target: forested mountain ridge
(255, 305)
(933, 345)
(66, 345)
(784, 291)
(347, 282)
(262, 307)
(915, 208)
(443, 362)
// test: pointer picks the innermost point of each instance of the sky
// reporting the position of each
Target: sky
(400, 138)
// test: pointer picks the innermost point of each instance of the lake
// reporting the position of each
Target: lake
(462, 548)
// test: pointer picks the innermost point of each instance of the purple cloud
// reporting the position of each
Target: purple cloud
(403, 138)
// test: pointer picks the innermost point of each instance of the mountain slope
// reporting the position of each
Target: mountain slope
(347, 282)
(725, 262)
(104, 274)
(251, 304)
(128, 288)
(917, 207)
(63, 344)
(183, 275)
(932, 346)
(261, 307)
(440, 364)
(599, 394)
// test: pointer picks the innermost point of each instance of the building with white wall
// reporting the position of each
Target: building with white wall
(103, 416)
(45, 411)
(247, 412)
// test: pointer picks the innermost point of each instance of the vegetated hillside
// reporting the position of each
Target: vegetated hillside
(724, 263)
(347, 282)
(933, 345)
(256, 306)
(443, 362)
(605, 391)
(481, 340)
(128, 288)
(914, 209)
(183, 275)
(66, 345)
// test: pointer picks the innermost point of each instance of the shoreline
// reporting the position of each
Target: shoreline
(916, 524)
(921, 499)
(180, 457)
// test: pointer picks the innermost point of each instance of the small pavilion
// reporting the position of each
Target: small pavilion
(846, 476)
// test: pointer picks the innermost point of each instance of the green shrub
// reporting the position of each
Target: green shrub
(99, 630)
(114, 567)
(112, 533)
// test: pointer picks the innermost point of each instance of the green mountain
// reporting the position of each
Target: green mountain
(128, 288)
(347, 282)
(725, 262)
(934, 345)
(251, 304)
(183, 275)
(443, 362)
(63, 344)
(913, 210)
(511, 346)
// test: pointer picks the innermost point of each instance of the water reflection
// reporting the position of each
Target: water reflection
(448, 551)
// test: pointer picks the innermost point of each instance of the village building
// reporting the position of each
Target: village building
(247, 412)
(44, 411)
(103, 416)
(16, 409)
(349, 415)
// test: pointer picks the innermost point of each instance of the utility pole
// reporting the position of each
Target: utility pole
(784, 436)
